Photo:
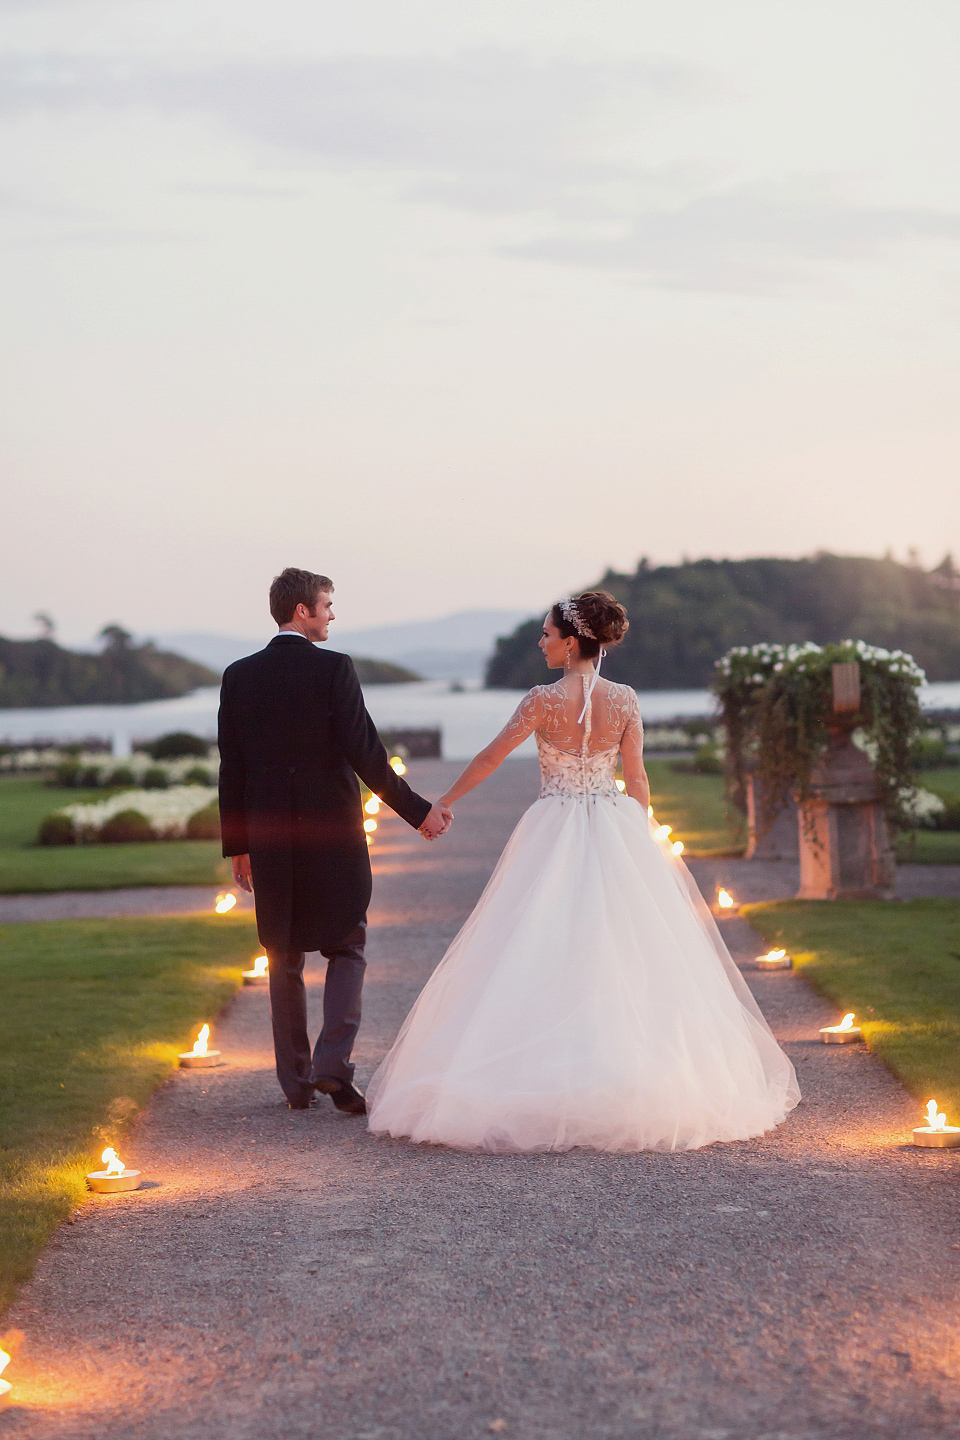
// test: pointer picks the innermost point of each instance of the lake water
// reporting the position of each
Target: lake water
(468, 720)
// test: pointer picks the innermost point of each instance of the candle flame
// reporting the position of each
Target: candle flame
(773, 955)
(224, 902)
(847, 1022)
(936, 1120)
(662, 831)
(621, 786)
(677, 847)
(369, 826)
(260, 965)
(397, 765)
(650, 811)
(372, 806)
(200, 1044)
(4, 1361)
(724, 899)
(112, 1161)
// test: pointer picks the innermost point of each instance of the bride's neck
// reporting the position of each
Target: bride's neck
(582, 667)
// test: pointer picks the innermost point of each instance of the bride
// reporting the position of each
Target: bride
(589, 1000)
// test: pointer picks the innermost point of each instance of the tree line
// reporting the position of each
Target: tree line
(684, 617)
(36, 673)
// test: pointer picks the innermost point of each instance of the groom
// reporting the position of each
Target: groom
(294, 735)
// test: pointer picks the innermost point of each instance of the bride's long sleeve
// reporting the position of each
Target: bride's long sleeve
(631, 756)
(522, 723)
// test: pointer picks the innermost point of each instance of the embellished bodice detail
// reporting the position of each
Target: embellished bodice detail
(580, 772)
(563, 773)
(580, 733)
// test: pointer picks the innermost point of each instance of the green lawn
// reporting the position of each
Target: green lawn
(27, 867)
(696, 808)
(897, 966)
(94, 1013)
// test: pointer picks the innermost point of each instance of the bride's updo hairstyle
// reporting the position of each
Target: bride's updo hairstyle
(598, 613)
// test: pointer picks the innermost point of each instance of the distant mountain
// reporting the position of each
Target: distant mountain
(36, 673)
(453, 647)
(684, 617)
(215, 651)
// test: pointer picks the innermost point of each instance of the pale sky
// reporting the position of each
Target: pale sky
(460, 303)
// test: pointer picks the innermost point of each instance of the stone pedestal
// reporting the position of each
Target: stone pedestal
(778, 840)
(845, 850)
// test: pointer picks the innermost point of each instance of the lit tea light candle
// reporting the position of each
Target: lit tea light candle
(224, 902)
(115, 1177)
(5, 1386)
(372, 806)
(662, 832)
(370, 826)
(677, 847)
(774, 960)
(200, 1056)
(649, 812)
(621, 786)
(397, 765)
(843, 1034)
(260, 973)
(936, 1134)
(726, 903)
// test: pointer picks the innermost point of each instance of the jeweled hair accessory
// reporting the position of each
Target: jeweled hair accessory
(570, 613)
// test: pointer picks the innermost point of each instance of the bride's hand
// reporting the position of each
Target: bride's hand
(438, 821)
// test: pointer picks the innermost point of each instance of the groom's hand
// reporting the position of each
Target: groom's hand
(242, 874)
(438, 822)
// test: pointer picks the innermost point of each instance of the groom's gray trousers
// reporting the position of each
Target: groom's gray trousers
(296, 1070)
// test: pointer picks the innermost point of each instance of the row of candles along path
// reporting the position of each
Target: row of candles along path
(116, 1178)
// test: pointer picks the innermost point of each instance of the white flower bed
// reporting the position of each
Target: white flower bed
(922, 806)
(166, 811)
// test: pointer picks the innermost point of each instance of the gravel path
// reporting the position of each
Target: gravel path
(287, 1275)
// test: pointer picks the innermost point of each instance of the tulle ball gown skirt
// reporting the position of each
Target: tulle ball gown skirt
(588, 1001)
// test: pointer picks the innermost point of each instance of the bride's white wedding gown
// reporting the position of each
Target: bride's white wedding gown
(589, 1000)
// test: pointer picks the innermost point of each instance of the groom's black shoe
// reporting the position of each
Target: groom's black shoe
(343, 1093)
(302, 1101)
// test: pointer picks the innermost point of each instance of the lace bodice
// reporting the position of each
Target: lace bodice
(578, 757)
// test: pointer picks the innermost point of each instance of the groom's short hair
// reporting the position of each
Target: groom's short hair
(294, 587)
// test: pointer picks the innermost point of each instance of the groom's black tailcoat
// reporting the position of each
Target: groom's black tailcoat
(294, 736)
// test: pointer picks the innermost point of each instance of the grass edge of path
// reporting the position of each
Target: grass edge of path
(892, 964)
(111, 1068)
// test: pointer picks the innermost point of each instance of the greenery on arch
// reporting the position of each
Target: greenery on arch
(776, 701)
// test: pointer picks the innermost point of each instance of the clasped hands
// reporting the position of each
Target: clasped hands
(438, 821)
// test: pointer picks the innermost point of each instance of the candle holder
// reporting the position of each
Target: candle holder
(200, 1057)
(260, 974)
(774, 960)
(936, 1134)
(725, 904)
(846, 1033)
(115, 1178)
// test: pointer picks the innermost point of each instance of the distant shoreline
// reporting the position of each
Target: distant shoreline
(468, 718)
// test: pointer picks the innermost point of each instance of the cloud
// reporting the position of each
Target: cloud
(761, 238)
(497, 133)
